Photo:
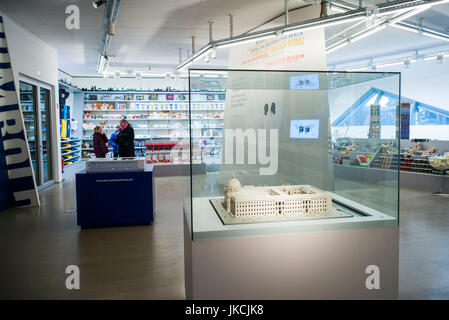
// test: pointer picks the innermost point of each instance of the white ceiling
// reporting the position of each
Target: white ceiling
(149, 32)
(392, 41)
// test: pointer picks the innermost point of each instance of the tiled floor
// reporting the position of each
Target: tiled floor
(37, 244)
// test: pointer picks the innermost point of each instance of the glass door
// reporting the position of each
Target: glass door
(28, 103)
(46, 134)
(35, 101)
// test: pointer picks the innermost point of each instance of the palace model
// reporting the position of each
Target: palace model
(282, 200)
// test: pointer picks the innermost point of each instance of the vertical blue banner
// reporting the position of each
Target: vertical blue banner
(17, 187)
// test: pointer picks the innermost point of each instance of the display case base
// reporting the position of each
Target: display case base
(310, 265)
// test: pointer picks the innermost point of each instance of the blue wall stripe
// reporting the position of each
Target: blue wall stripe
(5, 65)
(3, 50)
(9, 107)
(2, 35)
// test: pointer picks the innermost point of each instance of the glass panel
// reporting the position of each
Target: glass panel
(46, 134)
(284, 168)
(28, 101)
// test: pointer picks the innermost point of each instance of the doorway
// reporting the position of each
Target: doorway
(35, 102)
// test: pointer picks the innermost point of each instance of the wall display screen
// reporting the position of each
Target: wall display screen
(305, 129)
(306, 82)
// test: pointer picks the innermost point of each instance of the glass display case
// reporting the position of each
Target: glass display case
(296, 156)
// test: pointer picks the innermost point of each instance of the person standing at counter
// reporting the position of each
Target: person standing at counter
(100, 143)
(125, 139)
(112, 142)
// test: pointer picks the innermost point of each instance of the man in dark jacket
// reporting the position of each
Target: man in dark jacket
(125, 140)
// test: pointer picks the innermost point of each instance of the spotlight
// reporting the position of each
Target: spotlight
(407, 63)
(117, 75)
(213, 54)
(206, 59)
(99, 3)
(440, 59)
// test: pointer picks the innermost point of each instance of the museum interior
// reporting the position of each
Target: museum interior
(224, 150)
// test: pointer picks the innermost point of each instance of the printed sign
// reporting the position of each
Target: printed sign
(306, 82)
(16, 176)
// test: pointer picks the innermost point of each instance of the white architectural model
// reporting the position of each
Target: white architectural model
(301, 200)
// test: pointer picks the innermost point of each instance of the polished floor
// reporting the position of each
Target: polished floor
(36, 245)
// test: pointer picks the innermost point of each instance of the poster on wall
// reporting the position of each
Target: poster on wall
(16, 176)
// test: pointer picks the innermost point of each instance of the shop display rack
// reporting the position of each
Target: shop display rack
(70, 150)
(157, 115)
(388, 160)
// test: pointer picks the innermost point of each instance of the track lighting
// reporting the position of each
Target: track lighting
(99, 3)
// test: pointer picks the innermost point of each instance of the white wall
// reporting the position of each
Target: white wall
(32, 58)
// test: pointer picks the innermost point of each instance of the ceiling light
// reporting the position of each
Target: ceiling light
(433, 35)
(358, 68)
(102, 64)
(407, 63)
(117, 75)
(384, 65)
(322, 25)
(406, 28)
(367, 33)
(138, 76)
(204, 52)
(337, 9)
(185, 65)
(440, 59)
(336, 47)
(409, 14)
(99, 3)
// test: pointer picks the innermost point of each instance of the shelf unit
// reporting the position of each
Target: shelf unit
(71, 151)
(157, 116)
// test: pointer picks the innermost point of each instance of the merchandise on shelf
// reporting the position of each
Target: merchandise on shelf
(155, 116)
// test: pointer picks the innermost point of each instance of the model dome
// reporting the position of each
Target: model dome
(234, 183)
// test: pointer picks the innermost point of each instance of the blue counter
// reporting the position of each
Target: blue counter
(115, 198)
